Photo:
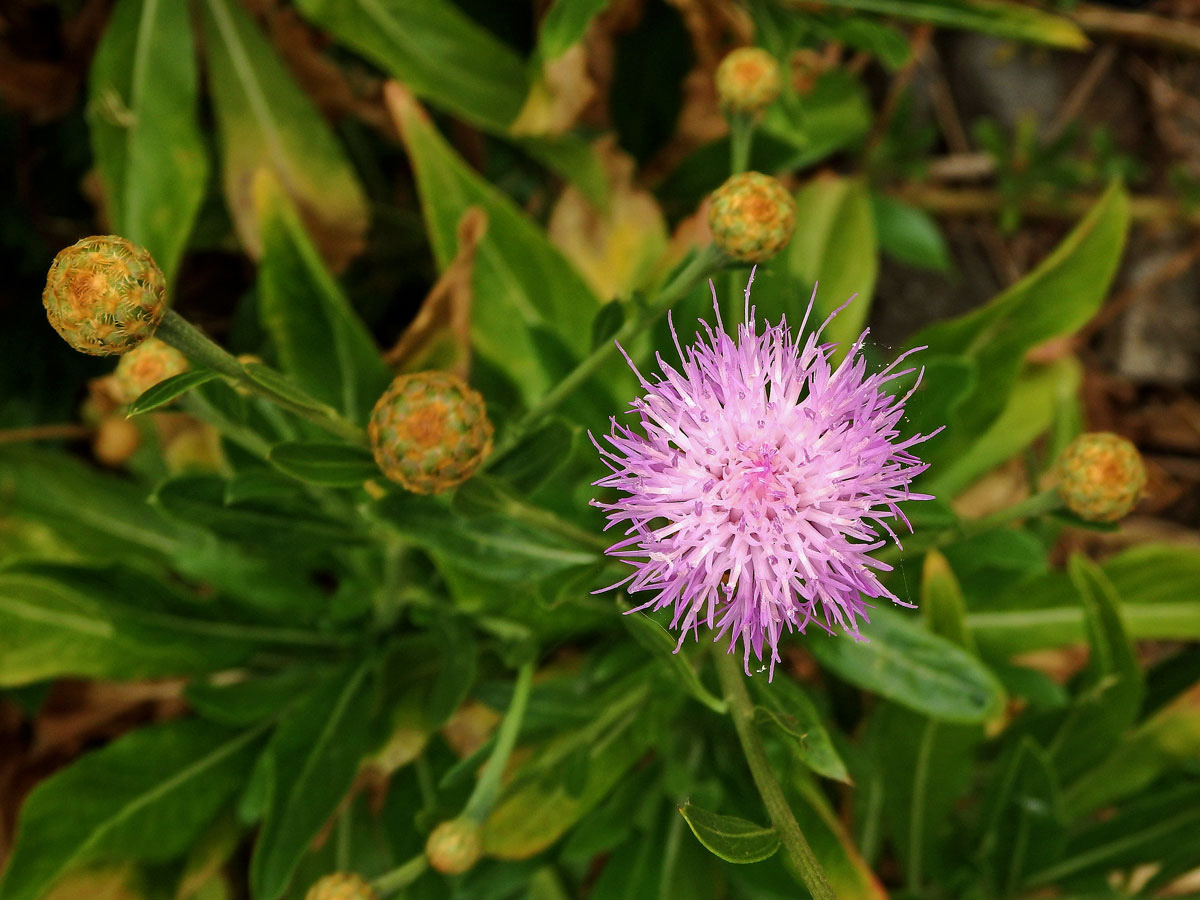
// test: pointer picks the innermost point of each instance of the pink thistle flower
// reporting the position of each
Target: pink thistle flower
(757, 481)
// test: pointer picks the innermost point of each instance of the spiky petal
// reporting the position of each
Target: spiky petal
(757, 479)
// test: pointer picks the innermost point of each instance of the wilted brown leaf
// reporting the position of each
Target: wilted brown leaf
(619, 249)
(557, 97)
(440, 335)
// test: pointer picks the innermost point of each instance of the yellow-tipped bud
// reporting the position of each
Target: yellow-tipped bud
(454, 846)
(145, 366)
(429, 431)
(752, 217)
(748, 80)
(1102, 476)
(342, 886)
(105, 295)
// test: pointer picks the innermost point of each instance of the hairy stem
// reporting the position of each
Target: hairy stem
(794, 843)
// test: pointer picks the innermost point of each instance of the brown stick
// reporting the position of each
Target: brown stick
(1140, 27)
(45, 433)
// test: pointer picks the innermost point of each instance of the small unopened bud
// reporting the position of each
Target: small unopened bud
(748, 80)
(145, 366)
(429, 431)
(752, 217)
(454, 846)
(1102, 476)
(104, 295)
(342, 886)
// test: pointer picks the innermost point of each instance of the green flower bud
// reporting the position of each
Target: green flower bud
(752, 217)
(104, 295)
(1102, 476)
(748, 80)
(342, 886)
(429, 431)
(145, 366)
(454, 846)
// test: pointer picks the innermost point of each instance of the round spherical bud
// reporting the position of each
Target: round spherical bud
(105, 295)
(1102, 476)
(342, 886)
(454, 846)
(748, 80)
(752, 217)
(115, 441)
(145, 366)
(429, 431)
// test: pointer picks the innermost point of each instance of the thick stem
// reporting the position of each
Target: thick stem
(704, 262)
(794, 843)
(487, 790)
(192, 343)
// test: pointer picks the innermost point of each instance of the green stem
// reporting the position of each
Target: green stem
(741, 138)
(342, 851)
(487, 789)
(794, 843)
(192, 343)
(402, 876)
(702, 263)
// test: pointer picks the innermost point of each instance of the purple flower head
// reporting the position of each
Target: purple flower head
(757, 478)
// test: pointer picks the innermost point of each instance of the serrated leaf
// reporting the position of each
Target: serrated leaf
(165, 391)
(267, 122)
(315, 753)
(905, 663)
(732, 839)
(145, 796)
(142, 109)
(316, 462)
(318, 338)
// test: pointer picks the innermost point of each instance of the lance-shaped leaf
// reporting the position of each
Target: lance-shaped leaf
(319, 339)
(146, 797)
(520, 279)
(267, 122)
(142, 112)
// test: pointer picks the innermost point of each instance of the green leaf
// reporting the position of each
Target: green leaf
(320, 342)
(1002, 18)
(942, 600)
(63, 621)
(146, 796)
(1023, 819)
(336, 465)
(200, 500)
(1053, 300)
(315, 754)
(165, 391)
(565, 25)
(1037, 397)
(835, 248)
(272, 381)
(664, 649)
(787, 706)
(905, 663)
(909, 234)
(267, 122)
(1113, 686)
(535, 460)
(435, 50)
(849, 874)
(250, 699)
(142, 110)
(730, 838)
(520, 279)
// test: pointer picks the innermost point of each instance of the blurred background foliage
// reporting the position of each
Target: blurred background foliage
(207, 689)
